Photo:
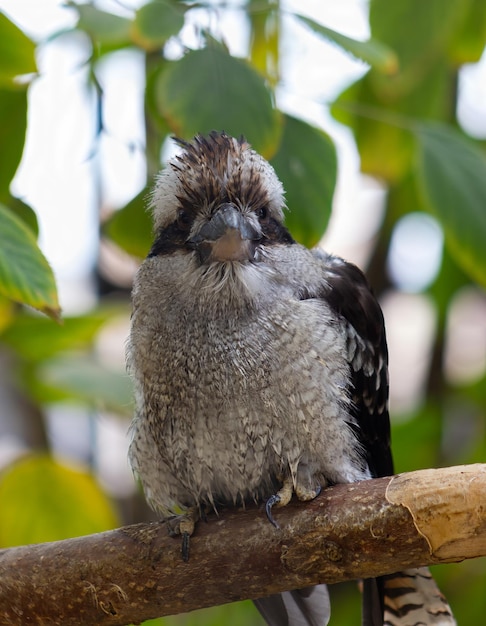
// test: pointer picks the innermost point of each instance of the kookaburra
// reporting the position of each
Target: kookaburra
(260, 367)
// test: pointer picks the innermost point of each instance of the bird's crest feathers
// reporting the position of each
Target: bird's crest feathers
(211, 170)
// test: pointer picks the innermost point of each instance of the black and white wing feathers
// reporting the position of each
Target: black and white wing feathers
(350, 296)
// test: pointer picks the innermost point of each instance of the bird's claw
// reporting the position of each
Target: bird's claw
(271, 502)
(185, 546)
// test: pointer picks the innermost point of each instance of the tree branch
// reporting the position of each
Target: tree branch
(350, 531)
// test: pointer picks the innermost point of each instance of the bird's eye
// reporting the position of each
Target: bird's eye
(262, 213)
(183, 219)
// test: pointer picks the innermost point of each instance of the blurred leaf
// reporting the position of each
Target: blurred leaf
(378, 55)
(210, 90)
(155, 22)
(420, 434)
(25, 212)
(25, 275)
(306, 164)
(104, 28)
(385, 149)
(36, 338)
(84, 378)
(13, 124)
(469, 41)
(450, 279)
(43, 500)
(16, 53)
(264, 17)
(131, 226)
(419, 32)
(345, 603)
(452, 177)
(7, 313)
(381, 121)
(463, 585)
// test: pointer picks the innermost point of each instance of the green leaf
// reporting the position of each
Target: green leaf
(155, 22)
(25, 212)
(469, 41)
(104, 28)
(210, 90)
(378, 55)
(131, 226)
(84, 378)
(16, 53)
(385, 149)
(43, 500)
(36, 338)
(13, 125)
(25, 275)
(381, 120)
(306, 164)
(452, 176)
(420, 34)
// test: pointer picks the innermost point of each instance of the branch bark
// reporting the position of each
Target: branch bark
(352, 531)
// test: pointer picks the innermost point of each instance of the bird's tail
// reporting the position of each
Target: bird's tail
(302, 607)
(412, 597)
(407, 598)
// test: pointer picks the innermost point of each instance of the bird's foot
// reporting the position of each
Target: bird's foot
(184, 525)
(281, 498)
(303, 490)
(307, 493)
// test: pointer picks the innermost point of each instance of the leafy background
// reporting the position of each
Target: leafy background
(402, 114)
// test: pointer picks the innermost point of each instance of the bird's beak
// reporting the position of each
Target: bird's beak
(227, 236)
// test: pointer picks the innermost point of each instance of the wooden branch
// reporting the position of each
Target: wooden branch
(350, 531)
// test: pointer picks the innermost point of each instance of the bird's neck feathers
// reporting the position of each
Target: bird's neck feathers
(231, 286)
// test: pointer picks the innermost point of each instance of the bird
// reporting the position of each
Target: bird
(260, 368)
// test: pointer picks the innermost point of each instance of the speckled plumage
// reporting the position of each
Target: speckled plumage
(255, 360)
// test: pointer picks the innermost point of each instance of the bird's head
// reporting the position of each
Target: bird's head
(219, 199)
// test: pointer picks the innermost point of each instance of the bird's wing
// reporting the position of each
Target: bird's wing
(348, 293)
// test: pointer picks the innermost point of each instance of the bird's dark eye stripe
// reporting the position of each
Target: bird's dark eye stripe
(275, 232)
(169, 240)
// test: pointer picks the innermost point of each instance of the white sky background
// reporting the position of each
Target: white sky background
(60, 171)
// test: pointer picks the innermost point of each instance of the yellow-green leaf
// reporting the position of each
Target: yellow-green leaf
(264, 17)
(44, 500)
(25, 275)
(469, 41)
(16, 52)
(13, 124)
